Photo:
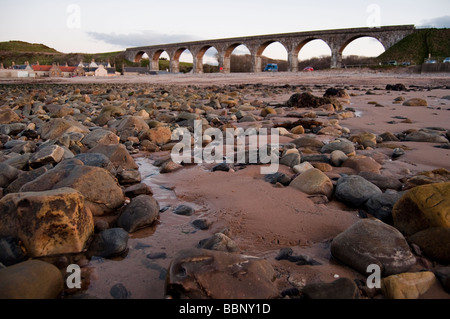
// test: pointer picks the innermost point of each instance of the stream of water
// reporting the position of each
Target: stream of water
(140, 273)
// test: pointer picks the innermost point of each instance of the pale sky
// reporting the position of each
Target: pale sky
(104, 26)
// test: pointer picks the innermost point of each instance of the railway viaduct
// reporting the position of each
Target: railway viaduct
(337, 40)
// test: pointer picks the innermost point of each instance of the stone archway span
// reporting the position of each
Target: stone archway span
(337, 40)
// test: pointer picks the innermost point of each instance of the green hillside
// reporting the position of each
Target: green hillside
(20, 52)
(21, 46)
(417, 46)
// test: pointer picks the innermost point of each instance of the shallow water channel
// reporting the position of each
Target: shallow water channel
(142, 273)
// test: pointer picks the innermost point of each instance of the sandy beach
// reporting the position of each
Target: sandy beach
(262, 218)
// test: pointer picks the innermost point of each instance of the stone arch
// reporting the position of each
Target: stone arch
(154, 61)
(138, 56)
(198, 58)
(175, 59)
(227, 55)
(294, 58)
(351, 39)
(300, 46)
(257, 60)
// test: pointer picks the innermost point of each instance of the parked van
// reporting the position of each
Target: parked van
(271, 68)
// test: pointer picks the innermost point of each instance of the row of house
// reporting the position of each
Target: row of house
(36, 70)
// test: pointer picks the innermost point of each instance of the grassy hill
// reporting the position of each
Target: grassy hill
(21, 46)
(416, 47)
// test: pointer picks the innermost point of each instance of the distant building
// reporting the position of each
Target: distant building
(93, 65)
(42, 70)
(79, 71)
(17, 71)
(68, 71)
(129, 70)
(55, 70)
(101, 71)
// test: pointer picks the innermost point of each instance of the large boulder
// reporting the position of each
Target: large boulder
(141, 212)
(7, 174)
(100, 136)
(32, 279)
(415, 102)
(423, 207)
(383, 182)
(370, 241)
(308, 142)
(129, 126)
(130, 123)
(109, 243)
(337, 158)
(55, 110)
(443, 274)
(49, 222)
(434, 243)
(11, 251)
(108, 113)
(341, 144)
(290, 159)
(117, 154)
(307, 100)
(97, 160)
(354, 190)
(24, 178)
(220, 242)
(429, 137)
(200, 274)
(8, 116)
(380, 206)
(312, 182)
(337, 93)
(361, 163)
(51, 154)
(158, 135)
(101, 190)
(439, 175)
(407, 285)
(56, 127)
(342, 288)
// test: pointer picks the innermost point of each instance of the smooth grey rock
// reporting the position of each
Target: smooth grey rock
(354, 190)
(371, 241)
(141, 212)
(109, 243)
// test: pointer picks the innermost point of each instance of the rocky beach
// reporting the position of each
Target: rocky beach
(87, 180)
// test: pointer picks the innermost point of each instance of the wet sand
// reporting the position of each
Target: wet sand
(260, 217)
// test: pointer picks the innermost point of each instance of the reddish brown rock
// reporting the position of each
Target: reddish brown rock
(49, 222)
(200, 274)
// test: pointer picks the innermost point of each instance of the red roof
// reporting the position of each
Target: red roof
(41, 67)
(67, 68)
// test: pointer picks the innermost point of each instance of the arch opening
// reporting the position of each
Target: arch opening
(182, 61)
(315, 53)
(237, 59)
(361, 51)
(274, 52)
(139, 56)
(161, 61)
(208, 60)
